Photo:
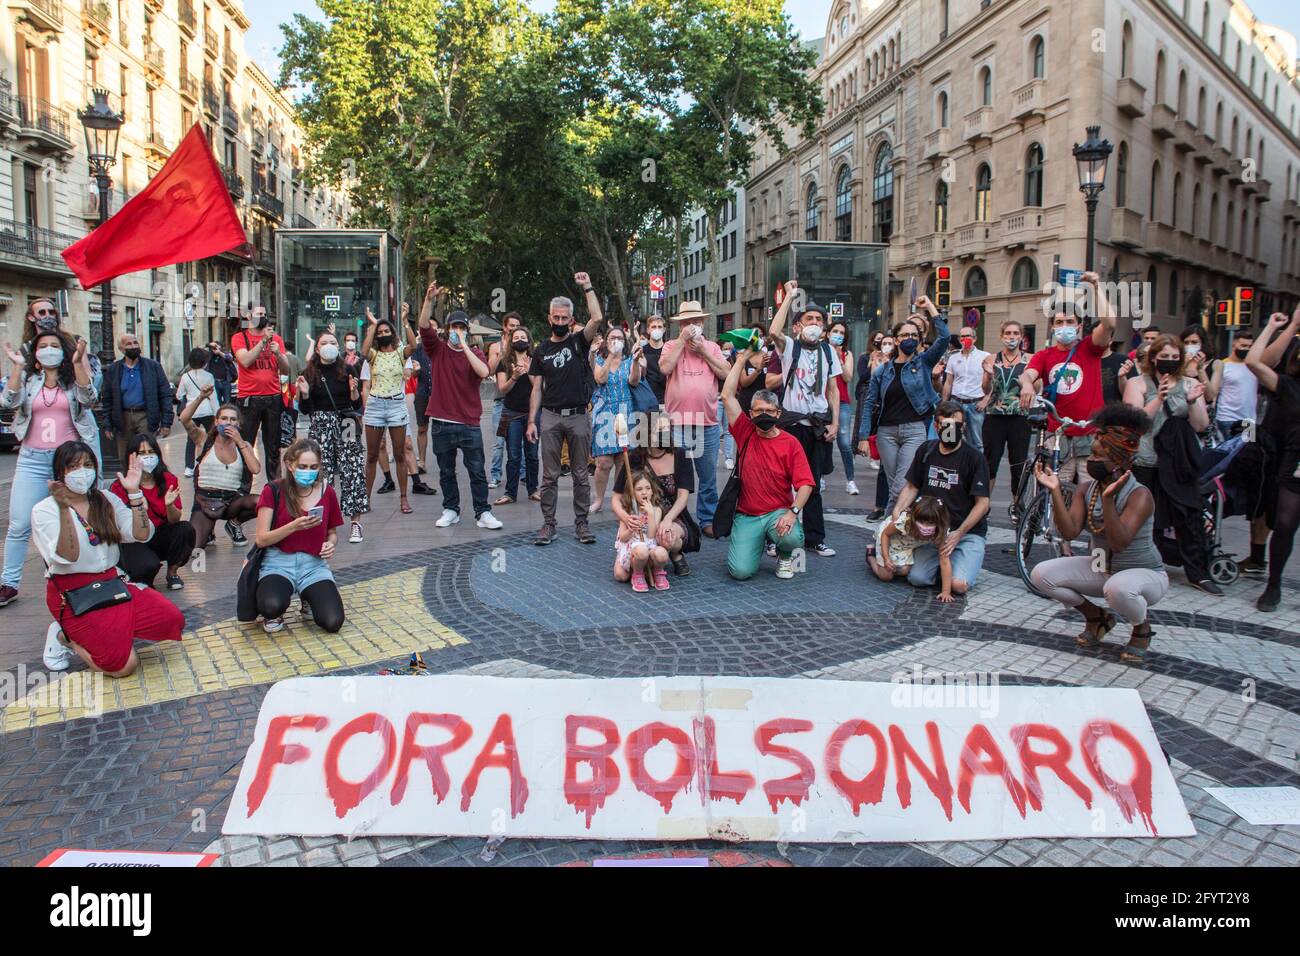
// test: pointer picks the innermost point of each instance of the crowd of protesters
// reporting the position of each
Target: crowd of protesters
(648, 416)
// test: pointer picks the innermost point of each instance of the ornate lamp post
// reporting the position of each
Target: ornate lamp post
(101, 127)
(1092, 156)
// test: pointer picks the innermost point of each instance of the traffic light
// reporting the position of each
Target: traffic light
(1245, 305)
(943, 288)
(1223, 314)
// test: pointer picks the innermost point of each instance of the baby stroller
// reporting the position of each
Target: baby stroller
(1222, 500)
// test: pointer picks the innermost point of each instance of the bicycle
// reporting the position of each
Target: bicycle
(1031, 505)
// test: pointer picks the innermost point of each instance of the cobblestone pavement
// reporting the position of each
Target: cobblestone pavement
(156, 770)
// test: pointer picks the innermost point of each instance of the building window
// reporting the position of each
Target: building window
(977, 284)
(882, 191)
(943, 110)
(1177, 199)
(1121, 176)
(843, 207)
(810, 215)
(1153, 206)
(1024, 278)
(986, 86)
(1152, 278)
(983, 192)
(29, 195)
(1034, 175)
(941, 207)
(1037, 54)
(1173, 292)
(1126, 50)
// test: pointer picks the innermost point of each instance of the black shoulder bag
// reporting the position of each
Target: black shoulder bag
(725, 515)
(246, 589)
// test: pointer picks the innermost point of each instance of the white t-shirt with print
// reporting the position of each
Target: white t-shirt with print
(801, 396)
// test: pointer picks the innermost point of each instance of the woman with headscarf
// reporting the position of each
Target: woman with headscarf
(1122, 565)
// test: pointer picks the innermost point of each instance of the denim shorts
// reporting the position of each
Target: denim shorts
(967, 560)
(387, 412)
(302, 570)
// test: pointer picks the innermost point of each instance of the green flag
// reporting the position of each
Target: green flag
(741, 338)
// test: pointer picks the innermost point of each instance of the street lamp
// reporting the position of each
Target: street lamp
(1091, 156)
(101, 127)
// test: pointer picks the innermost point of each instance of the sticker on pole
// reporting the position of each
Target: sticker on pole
(656, 287)
(690, 758)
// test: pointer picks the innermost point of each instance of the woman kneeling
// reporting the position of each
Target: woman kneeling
(298, 517)
(926, 522)
(79, 530)
(1124, 566)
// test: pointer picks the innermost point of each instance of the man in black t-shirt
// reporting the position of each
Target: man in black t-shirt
(1115, 370)
(653, 348)
(561, 383)
(951, 470)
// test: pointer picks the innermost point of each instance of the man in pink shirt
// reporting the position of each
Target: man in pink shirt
(693, 367)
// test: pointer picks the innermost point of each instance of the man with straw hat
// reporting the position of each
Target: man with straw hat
(693, 367)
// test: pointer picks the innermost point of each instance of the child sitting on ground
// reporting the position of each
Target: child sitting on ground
(925, 523)
(636, 555)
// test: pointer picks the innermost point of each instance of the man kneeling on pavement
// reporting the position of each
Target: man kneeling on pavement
(769, 462)
(949, 469)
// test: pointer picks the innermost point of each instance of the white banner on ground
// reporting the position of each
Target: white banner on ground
(687, 758)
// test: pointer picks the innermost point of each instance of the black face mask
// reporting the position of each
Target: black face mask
(384, 339)
(558, 329)
(519, 346)
(1168, 366)
(262, 321)
(132, 354)
(1242, 353)
(47, 323)
(1097, 470)
(765, 421)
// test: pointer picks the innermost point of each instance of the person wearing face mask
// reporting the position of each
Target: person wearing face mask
(49, 387)
(42, 316)
(386, 414)
(221, 365)
(298, 517)
(260, 361)
(894, 551)
(329, 393)
(512, 384)
(653, 350)
(224, 467)
(769, 464)
(1201, 365)
(967, 378)
(899, 401)
(1118, 512)
(456, 412)
(172, 542)
(838, 337)
(1069, 372)
(79, 531)
(190, 384)
(1168, 460)
(883, 350)
(137, 396)
(951, 470)
(496, 352)
(615, 373)
(1006, 426)
(1235, 386)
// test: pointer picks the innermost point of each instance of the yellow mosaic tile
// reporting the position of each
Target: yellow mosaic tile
(386, 619)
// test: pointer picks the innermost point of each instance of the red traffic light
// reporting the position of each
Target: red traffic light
(945, 272)
(1247, 294)
(1223, 307)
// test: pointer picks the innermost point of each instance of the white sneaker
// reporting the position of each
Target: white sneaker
(356, 536)
(731, 464)
(189, 472)
(875, 465)
(785, 568)
(57, 657)
(448, 518)
(494, 482)
(488, 520)
(852, 488)
(273, 624)
(822, 487)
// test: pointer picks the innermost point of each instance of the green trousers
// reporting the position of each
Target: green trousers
(748, 535)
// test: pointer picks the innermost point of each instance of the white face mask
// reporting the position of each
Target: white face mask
(811, 333)
(657, 335)
(352, 346)
(886, 349)
(284, 379)
(1192, 349)
(50, 356)
(328, 353)
(80, 480)
(148, 462)
(615, 346)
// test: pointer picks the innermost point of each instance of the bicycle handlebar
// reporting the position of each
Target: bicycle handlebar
(1039, 401)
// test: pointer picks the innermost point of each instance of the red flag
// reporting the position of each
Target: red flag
(185, 213)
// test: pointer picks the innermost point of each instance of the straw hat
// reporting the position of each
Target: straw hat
(690, 311)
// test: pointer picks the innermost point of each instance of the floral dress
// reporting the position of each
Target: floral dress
(610, 400)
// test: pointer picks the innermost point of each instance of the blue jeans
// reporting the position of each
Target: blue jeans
(521, 454)
(844, 438)
(728, 443)
(498, 443)
(701, 442)
(967, 559)
(445, 439)
(973, 431)
(32, 472)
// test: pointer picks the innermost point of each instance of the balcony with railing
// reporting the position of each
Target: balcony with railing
(1130, 97)
(1026, 228)
(229, 63)
(1127, 228)
(211, 42)
(32, 249)
(230, 118)
(265, 202)
(1162, 120)
(97, 20)
(979, 124)
(157, 146)
(155, 60)
(302, 222)
(937, 142)
(190, 87)
(8, 105)
(186, 17)
(211, 101)
(42, 14)
(234, 182)
(45, 124)
(259, 142)
(1028, 100)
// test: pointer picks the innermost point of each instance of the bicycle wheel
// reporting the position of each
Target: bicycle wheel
(1032, 544)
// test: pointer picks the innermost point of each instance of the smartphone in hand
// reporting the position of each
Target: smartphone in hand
(317, 512)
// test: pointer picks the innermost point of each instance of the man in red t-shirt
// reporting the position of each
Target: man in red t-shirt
(769, 462)
(259, 357)
(455, 411)
(1069, 372)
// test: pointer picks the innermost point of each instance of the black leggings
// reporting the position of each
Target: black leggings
(1009, 432)
(172, 544)
(1286, 520)
(275, 592)
(241, 509)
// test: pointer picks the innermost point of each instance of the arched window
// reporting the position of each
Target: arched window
(1178, 199)
(810, 213)
(941, 206)
(1182, 94)
(977, 284)
(1214, 216)
(1200, 110)
(1153, 207)
(1024, 278)
(983, 192)
(1121, 176)
(1232, 147)
(882, 195)
(1218, 123)
(1160, 77)
(1126, 49)
(1223, 39)
(1196, 208)
(1227, 224)
(1173, 292)
(843, 207)
(1205, 21)
(1037, 51)
(943, 111)
(986, 86)
(1034, 175)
